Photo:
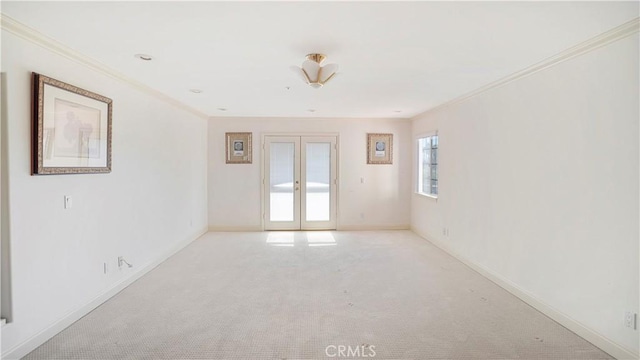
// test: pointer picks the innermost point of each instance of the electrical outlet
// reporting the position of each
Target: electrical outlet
(630, 320)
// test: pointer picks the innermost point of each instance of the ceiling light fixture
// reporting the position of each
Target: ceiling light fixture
(222, 109)
(313, 73)
(144, 57)
(196, 91)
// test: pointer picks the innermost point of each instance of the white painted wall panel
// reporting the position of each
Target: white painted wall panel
(154, 198)
(539, 185)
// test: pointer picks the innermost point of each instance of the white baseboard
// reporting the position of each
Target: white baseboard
(372, 227)
(608, 346)
(40, 338)
(250, 228)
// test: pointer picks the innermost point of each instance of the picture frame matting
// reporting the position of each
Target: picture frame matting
(238, 148)
(379, 149)
(72, 129)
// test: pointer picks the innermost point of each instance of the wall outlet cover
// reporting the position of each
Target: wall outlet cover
(630, 320)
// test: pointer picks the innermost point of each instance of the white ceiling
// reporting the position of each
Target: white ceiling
(393, 56)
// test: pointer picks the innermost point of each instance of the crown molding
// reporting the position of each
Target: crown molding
(17, 28)
(38, 38)
(627, 29)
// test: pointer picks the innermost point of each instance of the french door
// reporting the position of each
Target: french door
(300, 182)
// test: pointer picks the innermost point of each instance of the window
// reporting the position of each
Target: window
(428, 165)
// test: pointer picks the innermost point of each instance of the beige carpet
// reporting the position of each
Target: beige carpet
(303, 295)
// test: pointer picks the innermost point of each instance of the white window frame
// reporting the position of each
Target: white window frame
(419, 166)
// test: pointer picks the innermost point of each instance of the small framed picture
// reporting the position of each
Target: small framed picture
(379, 148)
(71, 129)
(238, 148)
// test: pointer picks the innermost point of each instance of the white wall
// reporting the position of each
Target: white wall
(152, 201)
(539, 186)
(382, 201)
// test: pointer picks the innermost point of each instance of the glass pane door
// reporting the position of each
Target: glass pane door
(300, 182)
(318, 182)
(283, 183)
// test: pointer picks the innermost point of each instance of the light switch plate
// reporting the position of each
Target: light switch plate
(68, 202)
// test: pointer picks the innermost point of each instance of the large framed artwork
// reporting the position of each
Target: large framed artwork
(71, 129)
(238, 147)
(379, 148)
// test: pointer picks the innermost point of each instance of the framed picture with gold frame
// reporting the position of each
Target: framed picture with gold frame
(380, 149)
(71, 129)
(238, 147)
